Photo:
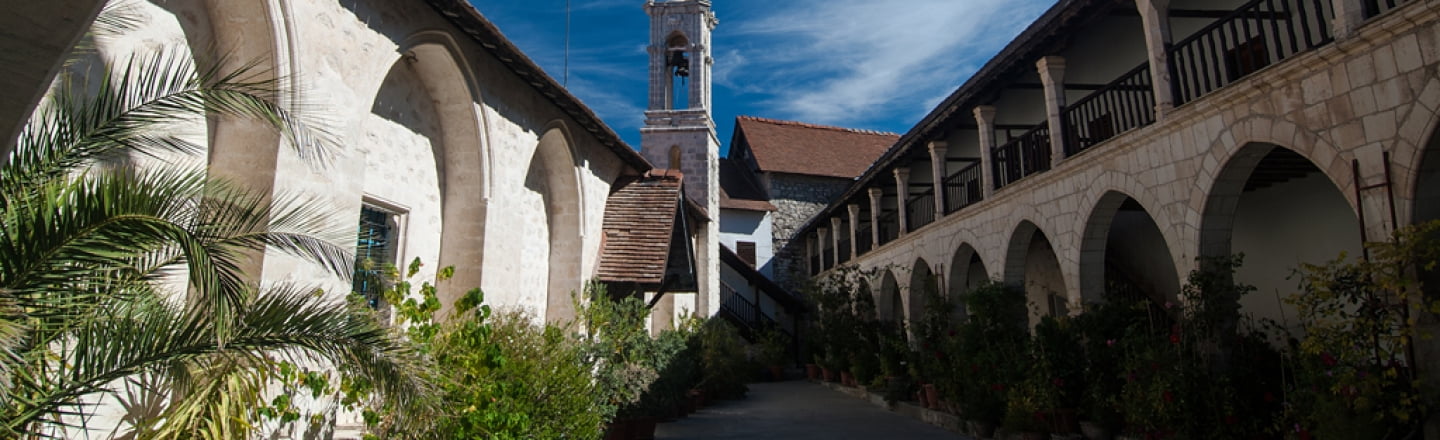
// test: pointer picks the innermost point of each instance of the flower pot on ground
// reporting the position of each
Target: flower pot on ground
(777, 373)
(931, 396)
(847, 379)
(829, 374)
(812, 371)
(618, 430)
(642, 428)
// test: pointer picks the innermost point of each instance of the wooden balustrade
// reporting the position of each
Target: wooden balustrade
(1257, 34)
(1124, 104)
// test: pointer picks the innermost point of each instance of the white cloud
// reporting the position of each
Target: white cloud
(842, 61)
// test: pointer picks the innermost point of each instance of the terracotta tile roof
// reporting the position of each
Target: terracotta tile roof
(639, 225)
(738, 189)
(817, 150)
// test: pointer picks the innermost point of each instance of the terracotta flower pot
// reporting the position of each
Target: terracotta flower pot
(643, 428)
(847, 379)
(776, 373)
(618, 430)
(932, 395)
(812, 371)
(829, 374)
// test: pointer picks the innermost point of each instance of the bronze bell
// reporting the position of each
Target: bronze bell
(679, 63)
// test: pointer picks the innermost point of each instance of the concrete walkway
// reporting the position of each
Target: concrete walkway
(798, 410)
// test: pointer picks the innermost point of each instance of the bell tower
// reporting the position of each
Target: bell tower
(679, 133)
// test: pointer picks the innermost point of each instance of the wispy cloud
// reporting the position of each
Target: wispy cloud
(842, 61)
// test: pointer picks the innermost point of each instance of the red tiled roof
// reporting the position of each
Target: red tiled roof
(816, 150)
(639, 223)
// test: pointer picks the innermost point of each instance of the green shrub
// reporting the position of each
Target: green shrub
(722, 355)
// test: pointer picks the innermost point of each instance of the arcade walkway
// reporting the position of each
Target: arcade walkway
(798, 410)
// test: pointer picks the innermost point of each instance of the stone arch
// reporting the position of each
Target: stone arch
(1229, 148)
(1425, 205)
(888, 302)
(553, 169)
(229, 36)
(1032, 264)
(1424, 180)
(1122, 239)
(922, 283)
(435, 59)
(1271, 202)
(967, 271)
(1415, 155)
(676, 159)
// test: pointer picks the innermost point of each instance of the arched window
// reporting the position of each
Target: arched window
(675, 158)
(677, 61)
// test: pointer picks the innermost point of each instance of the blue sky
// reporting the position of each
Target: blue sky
(873, 64)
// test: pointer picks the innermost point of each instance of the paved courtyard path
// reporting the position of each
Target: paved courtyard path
(798, 410)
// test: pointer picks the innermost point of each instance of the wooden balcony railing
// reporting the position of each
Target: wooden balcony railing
(920, 210)
(963, 188)
(1376, 7)
(1123, 105)
(889, 227)
(1255, 35)
(1023, 156)
(863, 240)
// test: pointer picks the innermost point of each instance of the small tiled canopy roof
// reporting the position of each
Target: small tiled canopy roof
(816, 150)
(639, 226)
(738, 189)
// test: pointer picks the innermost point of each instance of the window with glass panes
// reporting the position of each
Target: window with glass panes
(374, 251)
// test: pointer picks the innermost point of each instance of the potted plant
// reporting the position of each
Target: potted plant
(772, 352)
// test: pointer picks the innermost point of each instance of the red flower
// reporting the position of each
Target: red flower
(997, 387)
(1328, 359)
(1058, 382)
(1175, 339)
(952, 333)
(1269, 397)
(1169, 397)
(1231, 420)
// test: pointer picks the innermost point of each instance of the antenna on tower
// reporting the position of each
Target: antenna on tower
(566, 75)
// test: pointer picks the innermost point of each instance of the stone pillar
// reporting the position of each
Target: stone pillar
(1155, 15)
(1349, 15)
(821, 234)
(835, 223)
(985, 119)
(902, 195)
(937, 170)
(1052, 76)
(875, 195)
(854, 224)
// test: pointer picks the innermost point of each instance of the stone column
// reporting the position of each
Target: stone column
(1052, 76)
(985, 119)
(875, 195)
(854, 224)
(1349, 14)
(1155, 15)
(821, 234)
(937, 170)
(902, 195)
(835, 223)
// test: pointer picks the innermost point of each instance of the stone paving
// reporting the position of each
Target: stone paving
(798, 410)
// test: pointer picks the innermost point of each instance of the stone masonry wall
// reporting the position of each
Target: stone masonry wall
(798, 198)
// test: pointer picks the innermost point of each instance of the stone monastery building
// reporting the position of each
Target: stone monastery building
(1107, 147)
(1114, 142)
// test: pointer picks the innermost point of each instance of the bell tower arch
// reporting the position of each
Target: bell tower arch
(678, 119)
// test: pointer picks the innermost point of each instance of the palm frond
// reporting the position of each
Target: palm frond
(145, 333)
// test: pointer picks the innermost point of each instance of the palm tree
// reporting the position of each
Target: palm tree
(85, 243)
